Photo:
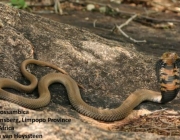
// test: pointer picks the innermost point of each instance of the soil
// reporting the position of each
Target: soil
(158, 40)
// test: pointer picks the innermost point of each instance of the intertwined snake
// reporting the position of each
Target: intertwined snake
(167, 72)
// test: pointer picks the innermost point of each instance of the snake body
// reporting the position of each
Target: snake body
(74, 94)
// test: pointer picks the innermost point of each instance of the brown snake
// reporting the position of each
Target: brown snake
(73, 94)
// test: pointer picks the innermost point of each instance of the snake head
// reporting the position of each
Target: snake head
(169, 58)
(168, 74)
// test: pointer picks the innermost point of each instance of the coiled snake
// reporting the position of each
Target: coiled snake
(167, 69)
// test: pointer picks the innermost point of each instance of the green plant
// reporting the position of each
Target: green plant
(20, 4)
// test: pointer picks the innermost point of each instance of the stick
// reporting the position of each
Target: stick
(119, 28)
(57, 7)
(128, 21)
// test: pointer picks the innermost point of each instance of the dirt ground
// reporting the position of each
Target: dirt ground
(159, 36)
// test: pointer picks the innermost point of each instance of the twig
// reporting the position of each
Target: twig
(128, 21)
(57, 7)
(119, 28)
(94, 25)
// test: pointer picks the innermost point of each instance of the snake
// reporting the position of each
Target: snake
(167, 69)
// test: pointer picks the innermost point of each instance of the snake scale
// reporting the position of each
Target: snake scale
(167, 69)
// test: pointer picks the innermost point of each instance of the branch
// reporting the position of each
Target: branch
(57, 7)
(119, 29)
